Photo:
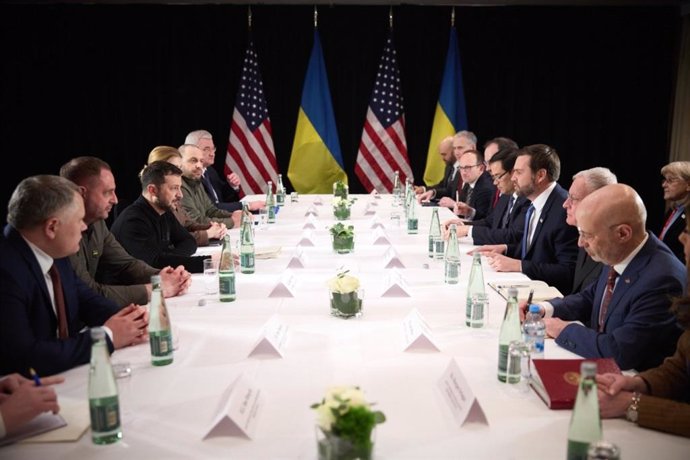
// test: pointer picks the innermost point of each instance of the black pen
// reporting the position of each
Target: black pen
(529, 298)
(34, 375)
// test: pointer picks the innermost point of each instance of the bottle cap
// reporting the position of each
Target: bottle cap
(512, 292)
(97, 333)
(534, 308)
(588, 369)
(155, 279)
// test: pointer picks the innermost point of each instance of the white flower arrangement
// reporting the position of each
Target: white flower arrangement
(343, 283)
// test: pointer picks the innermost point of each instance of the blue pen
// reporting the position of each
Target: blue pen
(34, 375)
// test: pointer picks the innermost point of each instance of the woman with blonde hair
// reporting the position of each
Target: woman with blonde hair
(676, 185)
(202, 233)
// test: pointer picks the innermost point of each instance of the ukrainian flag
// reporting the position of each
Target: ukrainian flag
(450, 116)
(316, 161)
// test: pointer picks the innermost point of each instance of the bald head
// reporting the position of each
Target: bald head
(445, 149)
(611, 221)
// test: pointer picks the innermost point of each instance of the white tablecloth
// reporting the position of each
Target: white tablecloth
(167, 410)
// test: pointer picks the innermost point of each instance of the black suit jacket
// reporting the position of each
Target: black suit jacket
(586, 271)
(671, 236)
(449, 185)
(157, 239)
(551, 256)
(28, 330)
(490, 229)
(227, 198)
(482, 196)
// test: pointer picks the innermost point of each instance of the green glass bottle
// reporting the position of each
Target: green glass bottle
(160, 328)
(246, 247)
(280, 191)
(104, 403)
(585, 423)
(412, 221)
(271, 203)
(452, 258)
(434, 232)
(226, 272)
(510, 330)
(475, 292)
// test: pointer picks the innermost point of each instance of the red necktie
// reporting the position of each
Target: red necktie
(63, 332)
(496, 195)
(608, 293)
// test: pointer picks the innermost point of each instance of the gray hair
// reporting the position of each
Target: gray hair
(469, 135)
(596, 178)
(38, 198)
(195, 136)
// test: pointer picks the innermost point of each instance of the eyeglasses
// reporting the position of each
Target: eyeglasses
(467, 168)
(670, 180)
(573, 199)
(498, 177)
(209, 149)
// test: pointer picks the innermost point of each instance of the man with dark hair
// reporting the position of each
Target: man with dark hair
(548, 248)
(493, 146)
(43, 303)
(504, 223)
(149, 230)
(101, 262)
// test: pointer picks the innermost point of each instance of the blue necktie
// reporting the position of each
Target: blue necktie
(209, 187)
(525, 236)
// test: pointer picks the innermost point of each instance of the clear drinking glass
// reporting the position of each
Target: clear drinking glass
(210, 276)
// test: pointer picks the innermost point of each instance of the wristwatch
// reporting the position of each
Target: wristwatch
(631, 414)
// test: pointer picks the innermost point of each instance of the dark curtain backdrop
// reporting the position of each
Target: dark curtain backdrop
(114, 81)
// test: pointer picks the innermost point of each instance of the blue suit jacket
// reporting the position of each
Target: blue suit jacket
(490, 230)
(228, 198)
(551, 256)
(639, 331)
(28, 330)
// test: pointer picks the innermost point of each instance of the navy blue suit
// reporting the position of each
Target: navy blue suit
(639, 331)
(552, 254)
(490, 230)
(671, 236)
(28, 329)
(482, 196)
(225, 197)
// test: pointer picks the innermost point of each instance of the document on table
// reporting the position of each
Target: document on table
(542, 291)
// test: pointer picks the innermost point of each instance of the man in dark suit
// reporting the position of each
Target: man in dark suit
(445, 193)
(43, 304)
(584, 183)
(224, 194)
(478, 189)
(676, 186)
(445, 151)
(625, 314)
(548, 248)
(505, 222)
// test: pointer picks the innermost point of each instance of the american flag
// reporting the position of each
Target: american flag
(250, 149)
(383, 148)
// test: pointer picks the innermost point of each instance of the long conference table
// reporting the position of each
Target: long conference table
(167, 411)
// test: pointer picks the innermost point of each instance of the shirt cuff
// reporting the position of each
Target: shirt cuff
(110, 334)
(548, 309)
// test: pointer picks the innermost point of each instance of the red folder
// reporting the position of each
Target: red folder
(556, 380)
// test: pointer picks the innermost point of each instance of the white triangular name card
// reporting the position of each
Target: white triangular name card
(391, 259)
(370, 209)
(416, 333)
(310, 222)
(285, 286)
(306, 239)
(311, 211)
(237, 411)
(395, 286)
(376, 223)
(318, 201)
(298, 260)
(272, 339)
(380, 237)
(459, 397)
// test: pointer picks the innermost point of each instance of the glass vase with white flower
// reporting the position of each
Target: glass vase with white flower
(346, 424)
